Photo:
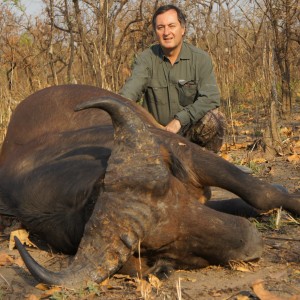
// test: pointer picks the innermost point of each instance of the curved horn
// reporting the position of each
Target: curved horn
(120, 109)
(125, 212)
(39, 273)
(121, 113)
(119, 221)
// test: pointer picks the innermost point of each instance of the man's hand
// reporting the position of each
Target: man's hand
(174, 126)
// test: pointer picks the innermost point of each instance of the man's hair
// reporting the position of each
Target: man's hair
(163, 9)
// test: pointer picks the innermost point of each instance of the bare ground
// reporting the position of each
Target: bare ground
(276, 274)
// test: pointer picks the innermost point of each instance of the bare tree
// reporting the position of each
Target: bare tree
(283, 18)
(254, 46)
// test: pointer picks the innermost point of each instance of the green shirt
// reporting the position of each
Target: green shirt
(186, 90)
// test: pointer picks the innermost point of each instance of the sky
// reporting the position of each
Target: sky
(33, 7)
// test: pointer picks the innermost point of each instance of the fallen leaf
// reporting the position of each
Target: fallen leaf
(286, 131)
(226, 156)
(5, 259)
(32, 297)
(238, 146)
(245, 132)
(225, 147)
(105, 282)
(259, 290)
(242, 297)
(294, 158)
(237, 123)
(51, 291)
(296, 272)
(154, 281)
(23, 236)
(242, 269)
(296, 147)
(262, 294)
(259, 160)
(231, 147)
(42, 287)
(242, 266)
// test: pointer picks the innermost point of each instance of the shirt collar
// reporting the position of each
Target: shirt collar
(183, 55)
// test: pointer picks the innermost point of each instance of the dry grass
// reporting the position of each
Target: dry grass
(8, 102)
(178, 289)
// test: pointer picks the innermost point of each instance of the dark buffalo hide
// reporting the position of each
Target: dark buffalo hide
(94, 175)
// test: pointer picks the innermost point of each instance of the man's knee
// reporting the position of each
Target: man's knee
(209, 131)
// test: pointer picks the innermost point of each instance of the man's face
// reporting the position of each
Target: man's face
(169, 31)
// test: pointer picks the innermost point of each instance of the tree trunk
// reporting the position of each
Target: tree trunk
(272, 140)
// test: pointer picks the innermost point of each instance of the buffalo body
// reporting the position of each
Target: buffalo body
(94, 175)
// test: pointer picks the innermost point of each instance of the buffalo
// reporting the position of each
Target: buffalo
(95, 176)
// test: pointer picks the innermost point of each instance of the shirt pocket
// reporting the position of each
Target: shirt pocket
(157, 92)
(187, 91)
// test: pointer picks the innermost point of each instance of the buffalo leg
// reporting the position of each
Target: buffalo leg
(215, 171)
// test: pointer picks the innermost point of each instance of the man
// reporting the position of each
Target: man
(178, 83)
